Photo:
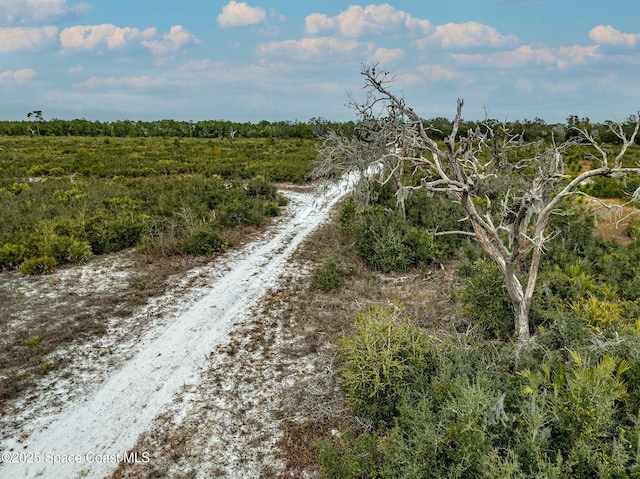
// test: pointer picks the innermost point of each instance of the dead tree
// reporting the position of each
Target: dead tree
(513, 227)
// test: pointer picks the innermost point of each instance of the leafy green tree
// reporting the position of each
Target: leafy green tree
(37, 116)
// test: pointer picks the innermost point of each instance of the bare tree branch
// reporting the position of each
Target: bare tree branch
(530, 189)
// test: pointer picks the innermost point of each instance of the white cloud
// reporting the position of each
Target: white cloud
(436, 72)
(239, 14)
(316, 48)
(607, 35)
(386, 56)
(38, 11)
(465, 35)
(196, 66)
(177, 38)
(88, 37)
(138, 83)
(576, 55)
(14, 39)
(357, 21)
(19, 75)
(562, 57)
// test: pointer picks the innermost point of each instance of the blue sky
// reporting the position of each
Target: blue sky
(283, 60)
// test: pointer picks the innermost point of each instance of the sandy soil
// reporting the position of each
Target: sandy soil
(102, 419)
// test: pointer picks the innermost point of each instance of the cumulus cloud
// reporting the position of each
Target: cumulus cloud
(386, 56)
(436, 72)
(359, 21)
(177, 38)
(25, 74)
(88, 37)
(562, 57)
(38, 11)
(316, 48)
(607, 35)
(13, 39)
(465, 35)
(139, 83)
(240, 14)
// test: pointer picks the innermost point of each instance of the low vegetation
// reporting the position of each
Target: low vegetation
(63, 200)
(431, 379)
(468, 400)
(166, 204)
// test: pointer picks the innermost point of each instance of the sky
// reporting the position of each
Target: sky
(286, 60)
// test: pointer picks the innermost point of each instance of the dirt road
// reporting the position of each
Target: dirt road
(91, 436)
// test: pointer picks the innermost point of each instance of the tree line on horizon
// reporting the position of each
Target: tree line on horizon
(440, 127)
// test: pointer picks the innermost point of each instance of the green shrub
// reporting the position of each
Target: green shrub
(78, 251)
(599, 314)
(602, 187)
(271, 209)
(586, 401)
(11, 255)
(66, 196)
(282, 200)
(108, 231)
(39, 265)
(388, 243)
(379, 240)
(240, 211)
(348, 215)
(485, 300)
(580, 407)
(329, 276)
(633, 230)
(33, 342)
(38, 170)
(385, 354)
(259, 187)
(203, 242)
(348, 455)
(18, 188)
(48, 243)
(434, 213)
(390, 253)
(423, 247)
(447, 439)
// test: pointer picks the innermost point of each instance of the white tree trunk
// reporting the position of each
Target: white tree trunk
(521, 303)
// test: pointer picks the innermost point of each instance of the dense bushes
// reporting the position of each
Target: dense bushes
(485, 299)
(23, 158)
(385, 354)
(472, 403)
(387, 242)
(106, 205)
(462, 406)
(330, 275)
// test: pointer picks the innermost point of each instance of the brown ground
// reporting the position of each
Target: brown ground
(612, 218)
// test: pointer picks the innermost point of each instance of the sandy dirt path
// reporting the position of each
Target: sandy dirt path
(93, 434)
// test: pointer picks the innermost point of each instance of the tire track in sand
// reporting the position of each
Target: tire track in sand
(94, 433)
